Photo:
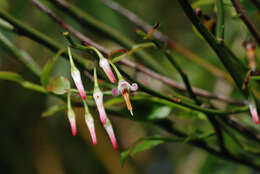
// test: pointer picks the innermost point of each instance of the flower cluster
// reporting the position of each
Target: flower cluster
(123, 88)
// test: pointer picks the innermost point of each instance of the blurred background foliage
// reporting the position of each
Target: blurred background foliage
(33, 144)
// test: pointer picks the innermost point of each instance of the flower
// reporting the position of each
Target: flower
(90, 123)
(77, 80)
(253, 111)
(98, 97)
(76, 77)
(104, 64)
(71, 116)
(123, 88)
(72, 119)
(110, 132)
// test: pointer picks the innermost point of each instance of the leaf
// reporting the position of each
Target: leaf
(59, 85)
(5, 75)
(21, 55)
(45, 75)
(249, 7)
(145, 145)
(160, 112)
(53, 110)
(200, 3)
(124, 155)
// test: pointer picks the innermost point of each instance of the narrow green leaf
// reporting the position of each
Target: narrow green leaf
(4, 75)
(145, 145)
(53, 110)
(45, 75)
(21, 55)
(124, 155)
(59, 85)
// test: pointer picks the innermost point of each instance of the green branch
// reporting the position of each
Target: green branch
(229, 60)
(220, 21)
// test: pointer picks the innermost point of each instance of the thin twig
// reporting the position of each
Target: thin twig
(244, 16)
(211, 118)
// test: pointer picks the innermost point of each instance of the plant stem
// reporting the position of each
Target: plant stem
(21, 56)
(229, 60)
(153, 74)
(220, 21)
(244, 16)
(88, 21)
(165, 39)
(183, 75)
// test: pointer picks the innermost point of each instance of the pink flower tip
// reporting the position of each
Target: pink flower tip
(98, 96)
(78, 82)
(73, 126)
(91, 127)
(111, 135)
(104, 64)
(253, 112)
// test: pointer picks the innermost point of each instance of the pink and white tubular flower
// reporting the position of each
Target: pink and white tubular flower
(98, 97)
(76, 77)
(110, 132)
(78, 82)
(123, 88)
(71, 116)
(90, 123)
(104, 64)
(253, 111)
(72, 119)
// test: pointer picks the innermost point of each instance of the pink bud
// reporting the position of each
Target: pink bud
(90, 123)
(104, 64)
(72, 119)
(253, 111)
(78, 82)
(98, 96)
(111, 134)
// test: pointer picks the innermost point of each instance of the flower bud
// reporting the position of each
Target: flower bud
(78, 82)
(98, 97)
(110, 132)
(253, 111)
(104, 64)
(72, 119)
(90, 123)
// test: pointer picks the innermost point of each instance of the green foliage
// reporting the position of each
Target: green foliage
(45, 76)
(59, 85)
(53, 110)
(4, 75)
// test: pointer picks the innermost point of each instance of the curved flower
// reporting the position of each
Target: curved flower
(110, 132)
(98, 97)
(123, 88)
(104, 64)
